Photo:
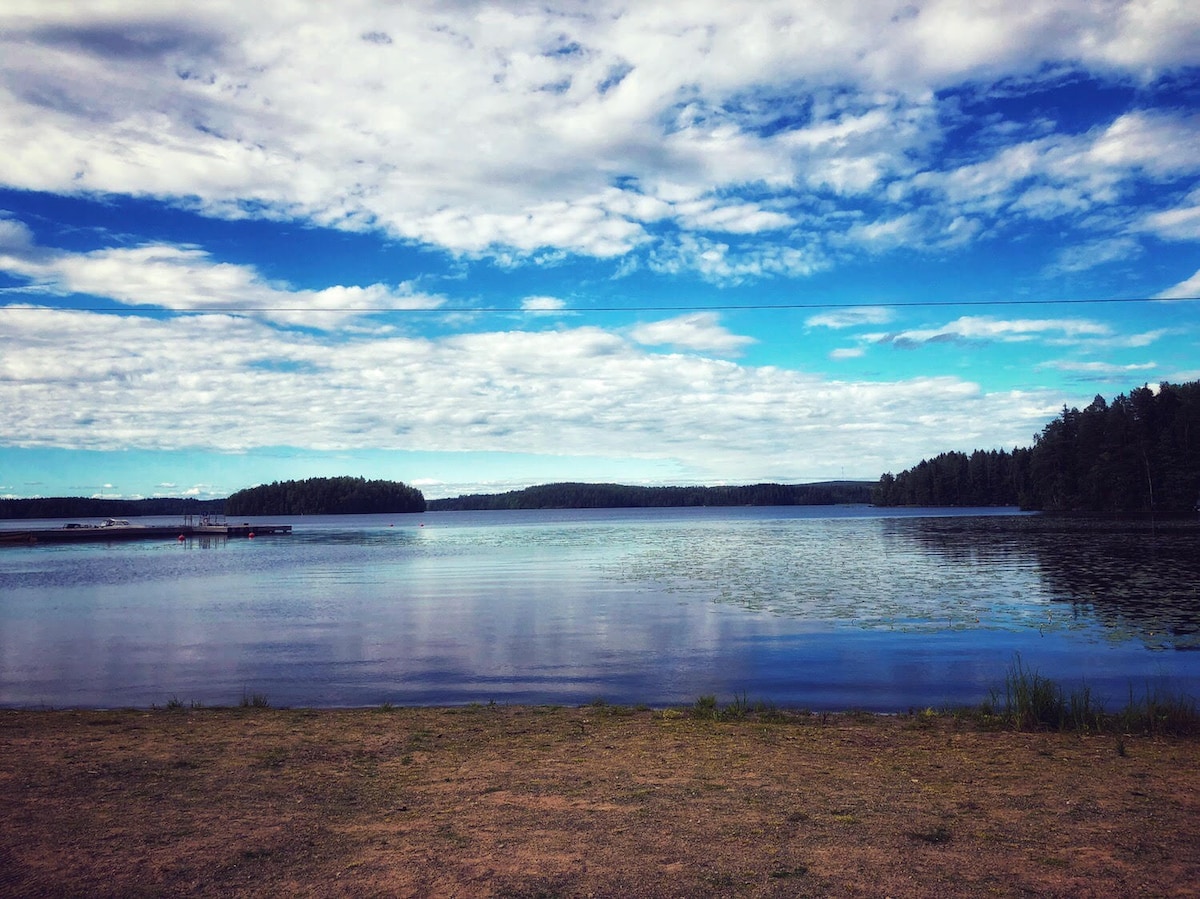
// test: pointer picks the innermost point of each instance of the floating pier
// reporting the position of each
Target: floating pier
(113, 529)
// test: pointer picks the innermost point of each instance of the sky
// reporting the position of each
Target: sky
(478, 246)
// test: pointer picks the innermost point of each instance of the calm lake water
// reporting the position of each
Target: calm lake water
(815, 607)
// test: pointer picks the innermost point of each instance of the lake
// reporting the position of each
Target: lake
(811, 607)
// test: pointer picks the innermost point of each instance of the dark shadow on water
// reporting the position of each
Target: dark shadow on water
(1139, 577)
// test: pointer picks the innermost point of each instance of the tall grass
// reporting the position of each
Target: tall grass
(1029, 701)
(1160, 712)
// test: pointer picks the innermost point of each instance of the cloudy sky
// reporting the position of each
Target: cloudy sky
(477, 246)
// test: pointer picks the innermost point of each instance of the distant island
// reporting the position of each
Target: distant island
(618, 496)
(326, 496)
(1138, 453)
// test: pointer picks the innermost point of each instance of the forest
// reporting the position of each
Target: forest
(325, 496)
(618, 496)
(96, 507)
(1138, 453)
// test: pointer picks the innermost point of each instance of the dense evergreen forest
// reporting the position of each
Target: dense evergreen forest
(1139, 453)
(90, 507)
(325, 496)
(617, 496)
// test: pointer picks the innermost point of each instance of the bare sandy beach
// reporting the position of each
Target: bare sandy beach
(590, 801)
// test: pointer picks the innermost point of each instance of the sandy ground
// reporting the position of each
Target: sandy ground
(593, 801)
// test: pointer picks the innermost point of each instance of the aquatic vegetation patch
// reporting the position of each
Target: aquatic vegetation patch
(937, 574)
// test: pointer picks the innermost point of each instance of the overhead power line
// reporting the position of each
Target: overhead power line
(607, 308)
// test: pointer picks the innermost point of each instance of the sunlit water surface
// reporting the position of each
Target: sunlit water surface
(801, 606)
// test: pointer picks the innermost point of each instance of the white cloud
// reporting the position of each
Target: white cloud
(1098, 252)
(1100, 368)
(1180, 223)
(725, 264)
(1067, 174)
(186, 278)
(120, 382)
(542, 304)
(986, 328)
(700, 331)
(497, 129)
(850, 318)
(1187, 288)
(847, 353)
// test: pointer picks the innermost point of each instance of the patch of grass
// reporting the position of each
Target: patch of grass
(602, 706)
(705, 707)
(254, 701)
(738, 709)
(784, 873)
(1032, 702)
(934, 835)
(1160, 712)
(1029, 701)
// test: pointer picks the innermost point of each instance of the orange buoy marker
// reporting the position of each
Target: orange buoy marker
(251, 535)
(180, 537)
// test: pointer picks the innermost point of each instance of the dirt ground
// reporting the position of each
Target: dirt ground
(593, 801)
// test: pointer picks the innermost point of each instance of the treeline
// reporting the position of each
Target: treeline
(1139, 453)
(92, 507)
(619, 496)
(326, 496)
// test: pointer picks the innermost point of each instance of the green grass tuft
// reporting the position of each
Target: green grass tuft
(254, 701)
(1029, 701)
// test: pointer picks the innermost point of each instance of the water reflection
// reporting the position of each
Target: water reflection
(1103, 579)
(802, 607)
(1137, 578)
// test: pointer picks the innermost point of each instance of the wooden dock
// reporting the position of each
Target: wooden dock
(76, 533)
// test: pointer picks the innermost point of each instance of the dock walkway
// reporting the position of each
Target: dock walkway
(104, 533)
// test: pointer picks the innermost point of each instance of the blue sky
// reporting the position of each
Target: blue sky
(477, 246)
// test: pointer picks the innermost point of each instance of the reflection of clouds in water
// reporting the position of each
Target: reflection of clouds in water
(1136, 577)
(829, 611)
(933, 574)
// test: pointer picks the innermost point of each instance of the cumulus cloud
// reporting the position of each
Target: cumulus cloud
(493, 129)
(542, 304)
(119, 382)
(187, 278)
(725, 263)
(700, 331)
